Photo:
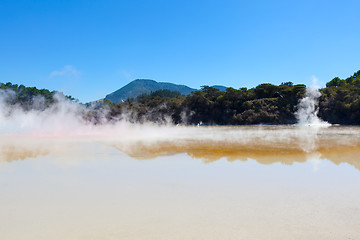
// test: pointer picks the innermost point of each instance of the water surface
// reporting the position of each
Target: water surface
(151, 182)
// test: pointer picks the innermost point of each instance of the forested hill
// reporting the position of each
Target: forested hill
(340, 100)
(352, 81)
(263, 104)
(25, 96)
(267, 104)
(144, 86)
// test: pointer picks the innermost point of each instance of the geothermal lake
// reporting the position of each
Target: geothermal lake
(152, 182)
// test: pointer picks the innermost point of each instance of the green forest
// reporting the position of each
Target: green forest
(264, 104)
(25, 96)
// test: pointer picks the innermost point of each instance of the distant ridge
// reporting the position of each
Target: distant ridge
(141, 86)
(220, 87)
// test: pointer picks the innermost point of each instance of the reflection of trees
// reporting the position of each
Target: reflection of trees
(13, 149)
(266, 145)
(13, 152)
(262, 153)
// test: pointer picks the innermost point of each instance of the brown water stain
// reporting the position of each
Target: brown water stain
(286, 145)
(213, 151)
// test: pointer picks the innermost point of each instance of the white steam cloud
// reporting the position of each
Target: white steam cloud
(65, 120)
(58, 118)
(307, 109)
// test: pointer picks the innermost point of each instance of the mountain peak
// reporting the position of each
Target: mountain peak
(143, 80)
(141, 86)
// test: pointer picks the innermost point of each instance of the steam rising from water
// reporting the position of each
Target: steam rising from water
(64, 118)
(307, 109)
(122, 199)
(40, 131)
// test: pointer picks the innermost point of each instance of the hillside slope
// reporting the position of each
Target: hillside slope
(141, 86)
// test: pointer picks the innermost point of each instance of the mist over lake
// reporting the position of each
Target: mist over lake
(179, 120)
(66, 176)
(103, 171)
(161, 182)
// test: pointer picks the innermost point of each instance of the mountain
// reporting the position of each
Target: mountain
(141, 86)
(220, 87)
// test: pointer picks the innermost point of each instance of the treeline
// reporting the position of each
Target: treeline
(340, 100)
(29, 97)
(267, 104)
(264, 104)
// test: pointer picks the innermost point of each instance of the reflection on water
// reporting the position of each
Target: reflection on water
(85, 187)
(263, 154)
(265, 144)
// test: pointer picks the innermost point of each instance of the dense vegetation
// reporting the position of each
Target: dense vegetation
(264, 104)
(29, 97)
(340, 100)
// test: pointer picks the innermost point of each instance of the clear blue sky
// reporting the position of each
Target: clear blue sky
(88, 49)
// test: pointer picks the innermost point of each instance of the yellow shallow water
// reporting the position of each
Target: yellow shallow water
(276, 182)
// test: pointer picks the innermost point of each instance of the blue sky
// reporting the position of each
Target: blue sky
(88, 49)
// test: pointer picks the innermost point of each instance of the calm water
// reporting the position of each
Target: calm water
(150, 182)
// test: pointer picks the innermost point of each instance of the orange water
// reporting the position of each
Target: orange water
(276, 182)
